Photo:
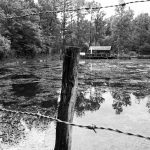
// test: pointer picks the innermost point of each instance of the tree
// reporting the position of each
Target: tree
(107, 37)
(141, 32)
(31, 34)
(122, 29)
(85, 30)
(24, 33)
(50, 24)
(26, 38)
(99, 28)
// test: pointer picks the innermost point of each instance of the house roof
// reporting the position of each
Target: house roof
(100, 48)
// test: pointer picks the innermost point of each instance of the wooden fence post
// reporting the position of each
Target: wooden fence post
(68, 98)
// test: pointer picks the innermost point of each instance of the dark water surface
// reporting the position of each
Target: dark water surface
(112, 93)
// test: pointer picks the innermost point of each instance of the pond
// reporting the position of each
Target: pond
(111, 94)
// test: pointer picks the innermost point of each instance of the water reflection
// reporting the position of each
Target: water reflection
(121, 98)
(11, 128)
(27, 90)
(34, 86)
(87, 101)
(15, 127)
(3, 71)
(139, 94)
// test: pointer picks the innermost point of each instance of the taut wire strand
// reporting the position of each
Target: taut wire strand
(90, 127)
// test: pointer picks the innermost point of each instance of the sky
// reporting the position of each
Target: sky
(137, 7)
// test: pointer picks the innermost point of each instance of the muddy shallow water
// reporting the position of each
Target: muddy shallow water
(111, 93)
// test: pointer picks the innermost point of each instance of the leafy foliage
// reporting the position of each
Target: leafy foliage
(121, 29)
(141, 32)
(29, 35)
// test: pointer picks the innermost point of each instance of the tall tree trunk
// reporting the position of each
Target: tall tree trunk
(68, 98)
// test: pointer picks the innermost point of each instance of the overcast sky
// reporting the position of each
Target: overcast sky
(137, 7)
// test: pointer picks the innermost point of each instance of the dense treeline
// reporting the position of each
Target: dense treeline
(29, 35)
(48, 32)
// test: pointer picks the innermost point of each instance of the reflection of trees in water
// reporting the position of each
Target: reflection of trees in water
(21, 124)
(11, 128)
(91, 103)
(14, 126)
(26, 89)
(121, 98)
(148, 104)
(139, 94)
(25, 84)
(121, 93)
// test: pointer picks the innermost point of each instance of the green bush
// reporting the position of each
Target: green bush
(4, 47)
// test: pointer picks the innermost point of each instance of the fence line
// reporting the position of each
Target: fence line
(90, 127)
(78, 9)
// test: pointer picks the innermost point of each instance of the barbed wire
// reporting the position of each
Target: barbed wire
(90, 127)
(78, 9)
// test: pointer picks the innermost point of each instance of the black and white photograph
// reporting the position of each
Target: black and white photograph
(74, 74)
